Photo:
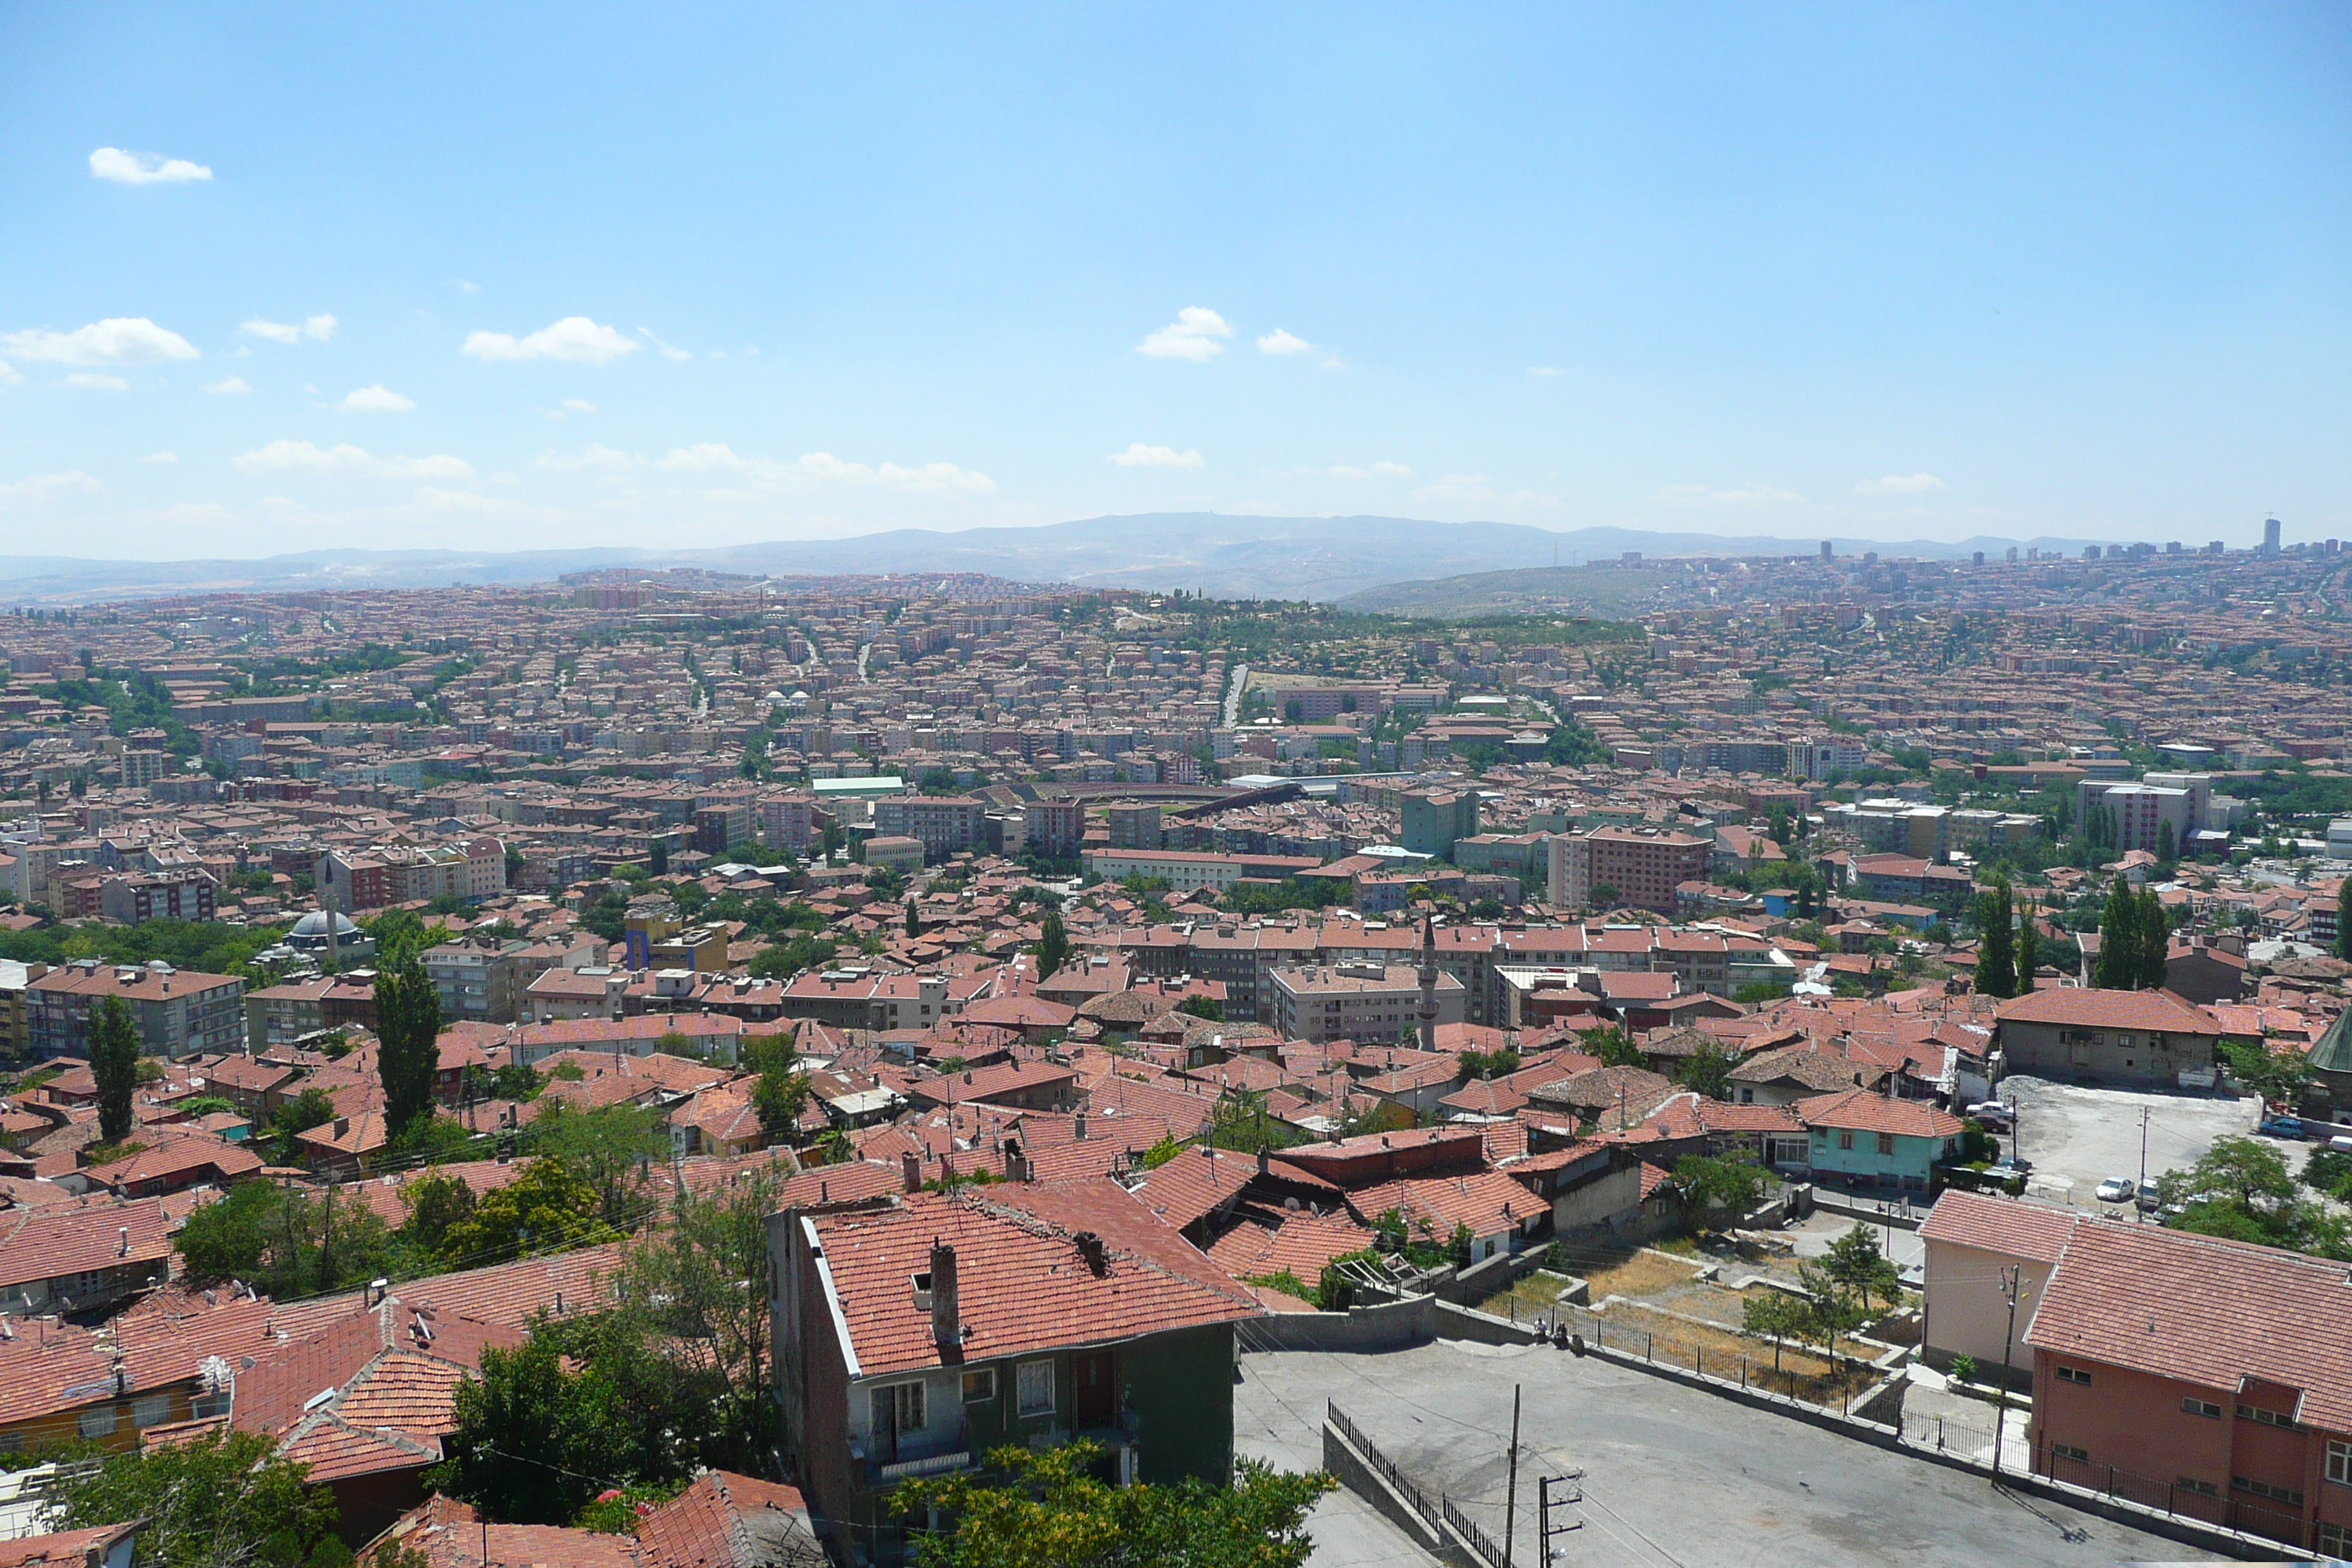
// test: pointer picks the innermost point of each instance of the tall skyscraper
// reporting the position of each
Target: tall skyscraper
(2269, 536)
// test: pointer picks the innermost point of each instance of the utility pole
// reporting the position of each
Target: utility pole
(1511, 1487)
(2139, 1212)
(1571, 1493)
(2000, 1413)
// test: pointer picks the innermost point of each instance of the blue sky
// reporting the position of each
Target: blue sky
(282, 276)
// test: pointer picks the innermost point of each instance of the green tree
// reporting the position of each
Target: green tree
(2155, 933)
(1832, 1310)
(283, 1241)
(1205, 1007)
(408, 1030)
(1996, 943)
(914, 918)
(2343, 921)
(1613, 1047)
(1733, 1184)
(1774, 1315)
(2029, 949)
(658, 859)
(114, 1063)
(2280, 1079)
(2242, 1189)
(608, 1148)
(1053, 945)
(1708, 1070)
(2120, 950)
(782, 1090)
(314, 1106)
(1854, 1262)
(435, 1201)
(535, 1440)
(221, 1500)
(700, 1283)
(546, 1210)
(1047, 1509)
(2168, 847)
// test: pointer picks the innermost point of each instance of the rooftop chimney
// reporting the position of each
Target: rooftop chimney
(1090, 1248)
(911, 1163)
(946, 1321)
(1078, 1127)
(123, 1247)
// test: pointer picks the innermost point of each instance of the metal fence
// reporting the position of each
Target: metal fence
(1438, 1508)
(2226, 1510)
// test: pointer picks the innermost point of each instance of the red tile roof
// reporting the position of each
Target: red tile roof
(2204, 1311)
(2090, 1009)
(2008, 1225)
(1861, 1110)
(1023, 1285)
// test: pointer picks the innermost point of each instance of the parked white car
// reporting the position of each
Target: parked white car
(2116, 1190)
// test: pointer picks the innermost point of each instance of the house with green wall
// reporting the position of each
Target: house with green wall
(917, 1332)
(1870, 1139)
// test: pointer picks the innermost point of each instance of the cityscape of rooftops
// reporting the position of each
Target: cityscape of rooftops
(1061, 789)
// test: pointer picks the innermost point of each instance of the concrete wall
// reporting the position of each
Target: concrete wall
(1391, 1325)
(1483, 1328)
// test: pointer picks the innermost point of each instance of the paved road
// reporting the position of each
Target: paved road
(2078, 1137)
(1675, 1478)
(1234, 690)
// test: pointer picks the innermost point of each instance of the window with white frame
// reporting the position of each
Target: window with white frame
(2069, 1451)
(1035, 1385)
(2335, 1539)
(96, 1422)
(980, 1385)
(2205, 1407)
(2339, 1462)
(2287, 1495)
(2073, 1375)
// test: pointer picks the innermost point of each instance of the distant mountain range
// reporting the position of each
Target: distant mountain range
(1320, 558)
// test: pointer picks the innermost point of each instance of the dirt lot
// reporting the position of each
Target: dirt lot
(2077, 1137)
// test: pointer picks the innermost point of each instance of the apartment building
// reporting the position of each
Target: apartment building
(1361, 1002)
(156, 895)
(178, 1012)
(1056, 829)
(944, 824)
(1639, 866)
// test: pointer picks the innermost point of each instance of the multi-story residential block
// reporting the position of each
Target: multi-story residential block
(1434, 819)
(945, 825)
(157, 895)
(1360, 1002)
(1056, 829)
(178, 1012)
(1638, 868)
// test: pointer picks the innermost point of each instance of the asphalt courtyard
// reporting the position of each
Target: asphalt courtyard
(1674, 1478)
(2078, 1136)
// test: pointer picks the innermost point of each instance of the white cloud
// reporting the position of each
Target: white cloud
(91, 380)
(1278, 341)
(231, 387)
(575, 338)
(8, 376)
(1192, 335)
(667, 351)
(463, 287)
(318, 329)
(1376, 471)
(161, 458)
(280, 456)
(45, 487)
(579, 405)
(1753, 493)
(1138, 456)
(594, 457)
(823, 467)
(1544, 370)
(376, 400)
(144, 168)
(1900, 485)
(117, 339)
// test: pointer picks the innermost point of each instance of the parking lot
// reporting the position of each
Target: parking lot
(2077, 1137)
(1672, 1475)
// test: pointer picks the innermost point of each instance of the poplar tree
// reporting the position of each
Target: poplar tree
(2029, 949)
(114, 1063)
(408, 1029)
(2154, 940)
(1996, 943)
(2118, 967)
